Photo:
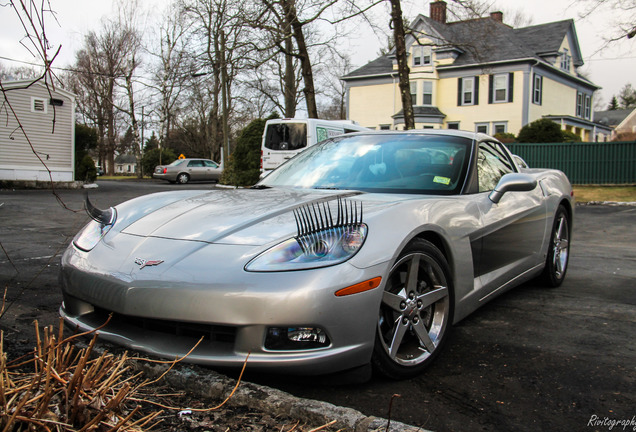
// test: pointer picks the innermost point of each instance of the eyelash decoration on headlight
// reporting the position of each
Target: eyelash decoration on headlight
(318, 218)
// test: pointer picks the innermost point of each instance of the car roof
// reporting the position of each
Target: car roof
(476, 136)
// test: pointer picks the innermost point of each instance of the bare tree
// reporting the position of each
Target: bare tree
(221, 34)
(131, 51)
(288, 22)
(334, 89)
(106, 57)
(172, 69)
(624, 11)
(18, 73)
(397, 24)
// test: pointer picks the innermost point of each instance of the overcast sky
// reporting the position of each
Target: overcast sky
(610, 68)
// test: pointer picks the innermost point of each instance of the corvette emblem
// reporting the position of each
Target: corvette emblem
(146, 263)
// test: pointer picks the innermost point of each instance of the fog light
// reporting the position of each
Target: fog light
(295, 338)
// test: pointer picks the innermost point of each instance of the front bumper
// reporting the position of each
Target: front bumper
(165, 310)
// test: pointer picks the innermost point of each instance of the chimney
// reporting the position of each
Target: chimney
(438, 11)
(497, 16)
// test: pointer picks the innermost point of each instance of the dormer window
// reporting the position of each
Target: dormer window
(565, 59)
(421, 56)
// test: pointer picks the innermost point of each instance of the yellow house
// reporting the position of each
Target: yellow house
(479, 75)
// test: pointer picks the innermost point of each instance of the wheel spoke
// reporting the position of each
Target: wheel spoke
(431, 297)
(559, 230)
(398, 335)
(412, 274)
(422, 334)
(563, 245)
(393, 301)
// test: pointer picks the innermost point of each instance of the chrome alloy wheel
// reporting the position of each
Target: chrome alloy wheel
(415, 309)
(556, 264)
(560, 246)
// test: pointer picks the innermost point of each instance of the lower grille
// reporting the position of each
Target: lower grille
(209, 332)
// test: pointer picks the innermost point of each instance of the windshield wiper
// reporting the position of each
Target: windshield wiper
(260, 187)
(327, 188)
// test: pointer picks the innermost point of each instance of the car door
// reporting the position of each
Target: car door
(512, 231)
(212, 170)
(196, 169)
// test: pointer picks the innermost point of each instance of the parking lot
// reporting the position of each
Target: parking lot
(532, 359)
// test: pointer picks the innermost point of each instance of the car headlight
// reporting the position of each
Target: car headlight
(320, 249)
(91, 234)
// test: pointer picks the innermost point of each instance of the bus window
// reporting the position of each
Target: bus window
(286, 136)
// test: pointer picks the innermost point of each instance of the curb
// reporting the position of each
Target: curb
(607, 203)
(207, 383)
(40, 184)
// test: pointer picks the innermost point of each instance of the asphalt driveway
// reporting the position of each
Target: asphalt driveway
(532, 359)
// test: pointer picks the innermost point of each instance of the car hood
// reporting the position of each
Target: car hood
(241, 216)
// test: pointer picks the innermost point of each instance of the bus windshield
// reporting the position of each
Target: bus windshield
(286, 136)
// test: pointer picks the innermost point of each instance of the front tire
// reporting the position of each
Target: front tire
(559, 250)
(183, 178)
(416, 312)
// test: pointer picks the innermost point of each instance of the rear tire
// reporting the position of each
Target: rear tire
(556, 264)
(416, 312)
(183, 178)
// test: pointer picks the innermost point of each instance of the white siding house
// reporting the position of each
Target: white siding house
(42, 139)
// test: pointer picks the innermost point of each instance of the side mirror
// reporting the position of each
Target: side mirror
(513, 182)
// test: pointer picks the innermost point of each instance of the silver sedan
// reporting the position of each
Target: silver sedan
(363, 249)
(185, 170)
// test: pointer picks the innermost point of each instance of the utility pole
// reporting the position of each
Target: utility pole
(225, 151)
(141, 150)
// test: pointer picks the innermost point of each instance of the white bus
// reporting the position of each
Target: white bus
(283, 138)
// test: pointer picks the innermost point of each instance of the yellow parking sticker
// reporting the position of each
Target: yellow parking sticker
(442, 180)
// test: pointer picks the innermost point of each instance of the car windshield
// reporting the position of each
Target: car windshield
(177, 162)
(402, 163)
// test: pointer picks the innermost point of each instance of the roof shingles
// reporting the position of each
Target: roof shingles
(483, 41)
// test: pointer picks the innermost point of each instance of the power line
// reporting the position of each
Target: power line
(70, 69)
(611, 58)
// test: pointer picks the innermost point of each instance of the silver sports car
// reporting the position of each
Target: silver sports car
(362, 249)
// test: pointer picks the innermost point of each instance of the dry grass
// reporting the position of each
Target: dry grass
(605, 193)
(61, 388)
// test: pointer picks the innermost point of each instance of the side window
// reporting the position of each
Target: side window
(195, 163)
(492, 164)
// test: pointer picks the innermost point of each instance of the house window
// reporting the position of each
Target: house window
(421, 56)
(385, 127)
(481, 128)
(588, 103)
(426, 56)
(427, 93)
(38, 105)
(579, 104)
(468, 92)
(500, 88)
(565, 59)
(500, 127)
(413, 85)
(537, 89)
(452, 125)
